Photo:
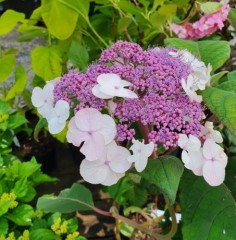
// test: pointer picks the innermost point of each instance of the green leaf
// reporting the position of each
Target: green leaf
(46, 62)
(210, 7)
(16, 121)
(216, 77)
(78, 55)
(123, 23)
(229, 86)
(38, 178)
(222, 104)
(9, 19)
(232, 17)
(4, 107)
(165, 173)
(209, 51)
(208, 213)
(40, 125)
(20, 188)
(230, 179)
(3, 226)
(80, 6)
(7, 64)
(20, 83)
(59, 18)
(42, 233)
(232, 75)
(21, 215)
(69, 200)
(5, 205)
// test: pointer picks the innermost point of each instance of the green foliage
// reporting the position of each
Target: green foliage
(209, 51)
(46, 62)
(207, 213)
(69, 200)
(59, 26)
(210, 7)
(7, 64)
(8, 21)
(232, 17)
(222, 104)
(19, 85)
(165, 173)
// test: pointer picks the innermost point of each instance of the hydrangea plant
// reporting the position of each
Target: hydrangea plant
(156, 90)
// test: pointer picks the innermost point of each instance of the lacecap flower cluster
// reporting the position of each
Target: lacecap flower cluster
(153, 90)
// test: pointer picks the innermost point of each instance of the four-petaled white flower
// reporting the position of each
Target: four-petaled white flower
(58, 116)
(109, 168)
(94, 129)
(188, 86)
(191, 151)
(141, 152)
(111, 85)
(215, 161)
(42, 99)
(209, 132)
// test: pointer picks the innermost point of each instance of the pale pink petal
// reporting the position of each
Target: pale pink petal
(37, 97)
(93, 172)
(193, 144)
(108, 79)
(48, 89)
(54, 126)
(112, 178)
(62, 109)
(124, 83)
(93, 147)
(182, 141)
(185, 158)
(88, 119)
(216, 136)
(97, 93)
(210, 149)
(108, 129)
(141, 163)
(46, 110)
(118, 157)
(131, 94)
(132, 158)
(111, 106)
(214, 173)
(196, 162)
(75, 136)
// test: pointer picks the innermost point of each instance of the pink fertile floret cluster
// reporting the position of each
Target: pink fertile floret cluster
(162, 105)
(205, 26)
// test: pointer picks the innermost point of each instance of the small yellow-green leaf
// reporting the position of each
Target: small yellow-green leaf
(210, 7)
(46, 62)
(7, 64)
(9, 19)
(20, 83)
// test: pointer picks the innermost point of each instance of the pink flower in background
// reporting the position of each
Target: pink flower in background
(205, 26)
(109, 168)
(94, 129)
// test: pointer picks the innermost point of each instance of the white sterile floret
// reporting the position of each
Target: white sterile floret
(215, 163)
(201, 76)
(109, 168)
(141, 152)
(209, 132)
(42, 99)
(111, 85)
(188, 86)
(94, 129)
(58, 116)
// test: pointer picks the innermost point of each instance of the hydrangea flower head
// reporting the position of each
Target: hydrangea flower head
(205, 26)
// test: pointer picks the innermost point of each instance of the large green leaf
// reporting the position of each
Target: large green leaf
(7, 64)
(9, 19)
(232, 17)
(165, 173)
(42, 233)
(230, 179)
(20, 83)
(21, 215)
(3, 226)
(209, 51)
(223, 105)
(210, 7)
(59, 18)
(208, 213)
(69, 200)
(46, 62)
